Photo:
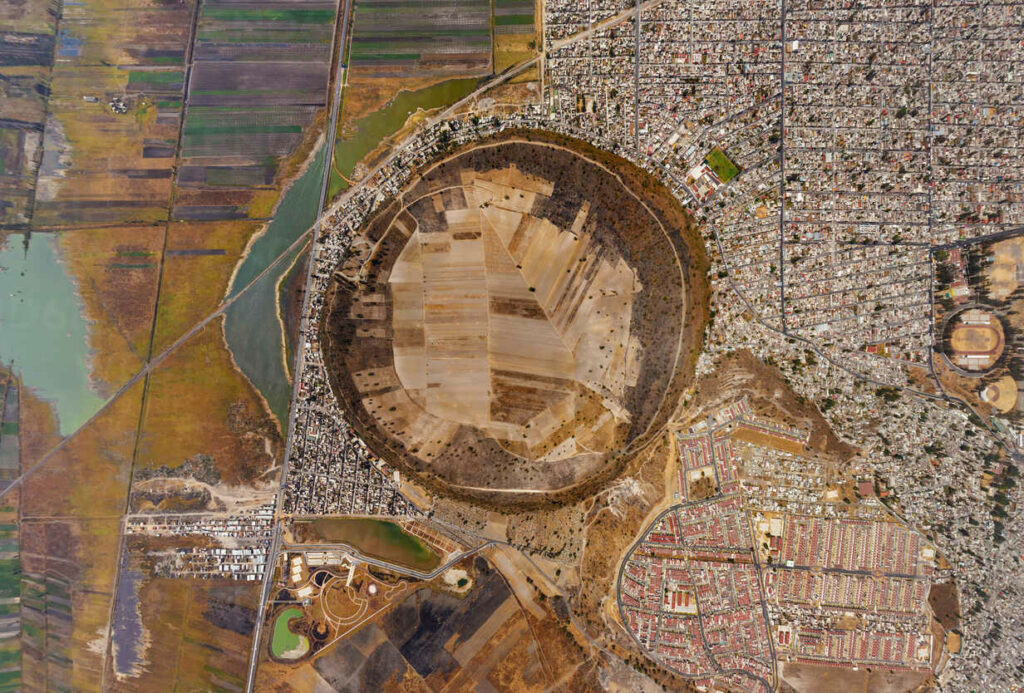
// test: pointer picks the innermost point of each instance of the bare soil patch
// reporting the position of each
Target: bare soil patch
(945, 602)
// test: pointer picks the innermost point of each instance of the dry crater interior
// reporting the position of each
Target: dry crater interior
(511, 320)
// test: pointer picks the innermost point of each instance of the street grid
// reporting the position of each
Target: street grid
(865, 136)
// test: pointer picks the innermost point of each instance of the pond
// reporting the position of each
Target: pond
(372, 129)
(379, 539)
(252, 325)
(286, 644)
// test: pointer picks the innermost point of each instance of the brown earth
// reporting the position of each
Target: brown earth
(117, 270)
(945, 602)
(67, 578)
(198, 630)
(370, 346)
(462, 640)
(70, 513)
(226, 419)
(811, 678)
(768, 440)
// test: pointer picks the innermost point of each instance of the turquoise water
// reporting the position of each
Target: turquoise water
(251, 325)
(43, 330)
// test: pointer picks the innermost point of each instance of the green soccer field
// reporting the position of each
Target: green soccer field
(725, 169)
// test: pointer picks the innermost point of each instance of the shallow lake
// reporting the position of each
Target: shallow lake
(43, 330)
(251, 324)
(372, 129)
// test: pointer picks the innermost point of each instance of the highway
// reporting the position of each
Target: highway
(151, 365)
(340, 77)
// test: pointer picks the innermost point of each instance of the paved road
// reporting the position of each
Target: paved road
(718, 669)
(275, 544)
(605, 24)
(150, 366)
(302, 239)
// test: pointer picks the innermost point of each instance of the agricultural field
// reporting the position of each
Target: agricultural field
(415, 38)
(27, 33)
(515, 33)
(165, 151)
(19, 144)
(498, 352)
(406, 59)
(258, 82)
(115, 100)
(10, 608)
(10, 444)
(69, 540)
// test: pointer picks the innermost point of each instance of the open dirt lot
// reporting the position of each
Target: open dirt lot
(1002, 394)
(1003, 272)
(809, 678)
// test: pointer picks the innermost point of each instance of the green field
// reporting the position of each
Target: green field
(725, 169)
(154, 77)
(269, 15)
(193, 129)
(10, 606)
(284, 640)
(388, 31)
(379, 539)
(513, 19)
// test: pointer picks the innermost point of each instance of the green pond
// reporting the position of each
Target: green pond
(379, 539)
(251, 324)
(372, 129)
(43, 330)
(283, 639)
(253, 333)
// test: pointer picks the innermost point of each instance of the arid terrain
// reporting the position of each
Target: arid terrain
(514, 323)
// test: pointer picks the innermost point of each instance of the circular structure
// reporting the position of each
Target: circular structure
(1002, 394)
(975, 340)
(514, 324)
